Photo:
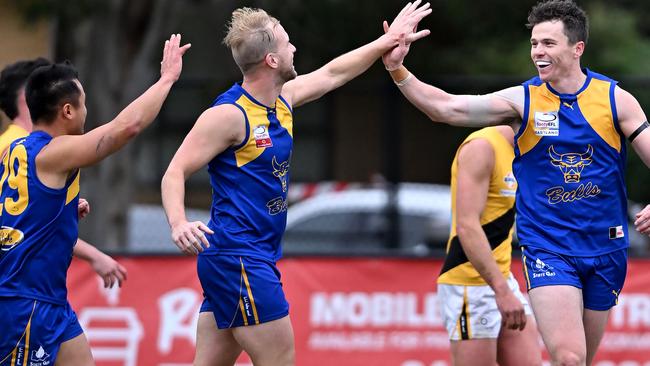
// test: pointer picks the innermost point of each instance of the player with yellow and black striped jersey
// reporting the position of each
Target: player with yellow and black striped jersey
(487, 317)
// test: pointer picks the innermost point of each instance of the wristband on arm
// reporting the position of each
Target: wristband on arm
(400, 75)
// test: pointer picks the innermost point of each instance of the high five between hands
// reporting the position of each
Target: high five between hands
(404, 29)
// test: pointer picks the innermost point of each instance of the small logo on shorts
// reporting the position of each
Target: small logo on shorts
(39, 357)
(616, 293)
(616, 232)
(247, 305)
(542, 269)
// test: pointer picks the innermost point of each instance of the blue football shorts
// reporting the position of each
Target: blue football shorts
(240, 290)
(600, 277)
(32, 331)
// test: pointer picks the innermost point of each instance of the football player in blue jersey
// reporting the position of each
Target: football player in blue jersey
(569, 165)
(39, 208)
(12, 102)
(245, 139)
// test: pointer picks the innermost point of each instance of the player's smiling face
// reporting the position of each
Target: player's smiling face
(553, 54)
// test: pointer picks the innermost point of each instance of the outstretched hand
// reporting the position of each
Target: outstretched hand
(404, 27)
(172, 61)
(406, 22)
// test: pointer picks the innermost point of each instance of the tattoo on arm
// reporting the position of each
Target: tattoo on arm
(104, 143)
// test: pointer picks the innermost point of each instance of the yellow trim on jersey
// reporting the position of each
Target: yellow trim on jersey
(596, 108)
(541, 100)
(258, 116)
(284, 116)
(250, 293)
(12, 133)
(73, 190)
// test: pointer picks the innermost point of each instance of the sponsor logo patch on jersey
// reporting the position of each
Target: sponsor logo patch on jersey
(262, 137)
(511, 184)
(10, 237)
(547, 124)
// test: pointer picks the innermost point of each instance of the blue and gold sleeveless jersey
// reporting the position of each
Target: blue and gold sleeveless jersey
(250, 181)
(497, 218)
(39, 225)
(570, 166)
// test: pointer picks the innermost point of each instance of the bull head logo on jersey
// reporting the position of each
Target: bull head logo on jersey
(571, 164)
(280, 171)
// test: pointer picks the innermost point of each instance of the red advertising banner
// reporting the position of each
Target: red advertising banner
(375, 311)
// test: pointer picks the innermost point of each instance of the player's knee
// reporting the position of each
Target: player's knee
(565, 357)
(286, 355)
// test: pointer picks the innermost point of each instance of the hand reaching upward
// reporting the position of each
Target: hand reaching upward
(172, 61)
(404, 27)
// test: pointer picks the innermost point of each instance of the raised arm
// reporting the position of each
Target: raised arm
(215, 130)
(66, 153)
(475, 164)
(463, 110)
(344, 68)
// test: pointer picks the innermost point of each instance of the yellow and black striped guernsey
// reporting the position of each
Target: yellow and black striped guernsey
(497, 218)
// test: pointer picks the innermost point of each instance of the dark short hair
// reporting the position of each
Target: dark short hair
(576, 24)
(49, 88)
(12, 79)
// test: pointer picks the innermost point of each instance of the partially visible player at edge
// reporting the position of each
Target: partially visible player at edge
(488, 319)
(246, 140)
(39, 180)
(12, 102)
(569, 165)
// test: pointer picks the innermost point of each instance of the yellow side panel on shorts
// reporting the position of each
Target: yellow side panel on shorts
(541, 100)
(596, 107)
(243, 311)
(250, 294)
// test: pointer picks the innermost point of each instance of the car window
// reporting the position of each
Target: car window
(363, 233)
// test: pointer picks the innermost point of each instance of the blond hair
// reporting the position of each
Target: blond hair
(250, 36)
